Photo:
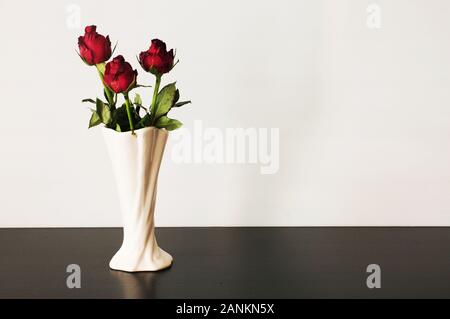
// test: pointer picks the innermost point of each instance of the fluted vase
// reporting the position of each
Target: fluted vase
(136, 160)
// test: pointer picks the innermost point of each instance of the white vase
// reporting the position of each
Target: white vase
(136, 160)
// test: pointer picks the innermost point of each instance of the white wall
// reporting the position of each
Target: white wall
(363, 114)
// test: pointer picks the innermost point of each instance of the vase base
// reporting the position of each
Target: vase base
(130, 262)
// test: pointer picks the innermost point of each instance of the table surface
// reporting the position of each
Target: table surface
(274, 262)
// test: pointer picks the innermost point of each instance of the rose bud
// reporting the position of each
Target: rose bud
(94, 47)
(156, 59)
(119, 75)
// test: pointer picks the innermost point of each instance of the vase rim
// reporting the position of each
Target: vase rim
(137, 132)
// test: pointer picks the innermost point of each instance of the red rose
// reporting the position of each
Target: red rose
(156, 59)
(119, 75)
(94, 47)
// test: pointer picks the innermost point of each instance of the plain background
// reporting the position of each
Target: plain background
(363, 114)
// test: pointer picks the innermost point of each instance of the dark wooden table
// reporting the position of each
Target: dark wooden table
(232, 263)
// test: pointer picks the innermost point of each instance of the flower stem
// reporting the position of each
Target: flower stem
(155, 95)
(108, 92)
(127, 106)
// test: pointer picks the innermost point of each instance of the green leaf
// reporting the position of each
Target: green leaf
(181, 103)
(144, 122)
(165, 100)
(88, 100)
(95, 119)
(120, 117)
(168, 124)
(118, 128)
(138, 104)
(114, 49)
(110, 101)
(137, 99)
(103, 112)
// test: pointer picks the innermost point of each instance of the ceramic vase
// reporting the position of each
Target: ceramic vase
(136, 160)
